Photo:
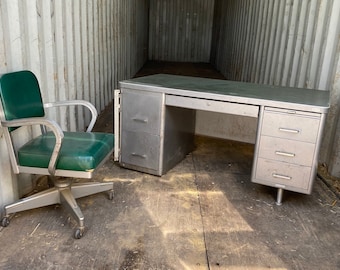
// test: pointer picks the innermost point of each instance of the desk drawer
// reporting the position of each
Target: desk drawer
(141, 112)
(296, 152)
(283, 173)
(140, 149)
(295, 125)
(212, 105)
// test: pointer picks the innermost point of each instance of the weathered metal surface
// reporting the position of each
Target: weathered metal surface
(77, 49)
(180, 30)
(82, 48)
(282, 42)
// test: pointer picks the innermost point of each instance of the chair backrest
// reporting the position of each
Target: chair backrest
(20, 95)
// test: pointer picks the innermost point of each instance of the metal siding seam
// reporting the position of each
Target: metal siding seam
(70, 65)
(116, 45)
(313, 76)
(151, 31)
(249, 57)
(283, 42)
(210, 29)
(92, 55)
(257, 40)
(31, 38)
(111, 51)
(295, 70)
(235, 42)
(3, 58)
(290, 43)
(278, 36)
(78, 60)
(104, 92)
(243, 39)
(266, 42)
(177, 33)
(331, 45)
(85, 57)
(272, 37)
(58, 29)
(262, 42)
(13, 40)
(307, 45)
(47, 55)
(101, 53)
(166, 16)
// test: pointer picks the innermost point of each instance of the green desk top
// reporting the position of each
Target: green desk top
(233, 91)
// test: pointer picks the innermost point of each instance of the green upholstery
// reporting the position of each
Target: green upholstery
(80, 151)
(59, 154)
(22, 94)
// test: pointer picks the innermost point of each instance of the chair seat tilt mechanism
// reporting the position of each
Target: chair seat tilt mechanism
(61, 155)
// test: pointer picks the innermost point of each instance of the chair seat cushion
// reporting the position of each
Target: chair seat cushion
(80, 151)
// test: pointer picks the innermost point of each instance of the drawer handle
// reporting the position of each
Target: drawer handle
(140, 120)
(138, 155)
(289, 130)
(285, 154)
(281, 176)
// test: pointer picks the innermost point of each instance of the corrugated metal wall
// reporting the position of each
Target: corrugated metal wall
(78, 49)
(180, 31)
(82, 48)
(282, 42)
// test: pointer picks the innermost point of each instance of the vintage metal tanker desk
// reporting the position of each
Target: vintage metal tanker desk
(156, 125)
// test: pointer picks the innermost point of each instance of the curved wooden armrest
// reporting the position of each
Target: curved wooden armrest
(84, 103)
(52, 125)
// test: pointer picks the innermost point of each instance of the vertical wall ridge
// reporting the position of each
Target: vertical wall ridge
(78, 49)
(288, 43)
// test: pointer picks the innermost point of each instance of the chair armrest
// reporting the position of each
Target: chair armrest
(85, 103)
(58, 133)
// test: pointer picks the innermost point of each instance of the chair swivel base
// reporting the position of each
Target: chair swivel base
(62, 193)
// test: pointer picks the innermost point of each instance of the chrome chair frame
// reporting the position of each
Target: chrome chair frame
(64, 191)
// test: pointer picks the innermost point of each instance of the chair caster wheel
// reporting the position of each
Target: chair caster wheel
(78, 233)
(5, 222)
(111, 194)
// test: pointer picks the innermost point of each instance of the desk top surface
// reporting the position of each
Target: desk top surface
(233, 91)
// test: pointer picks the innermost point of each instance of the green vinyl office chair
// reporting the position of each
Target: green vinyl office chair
(60, 155)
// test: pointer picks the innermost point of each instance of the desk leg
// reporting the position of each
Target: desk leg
(279, 196)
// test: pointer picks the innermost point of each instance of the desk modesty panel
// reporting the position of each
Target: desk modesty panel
(157, 123)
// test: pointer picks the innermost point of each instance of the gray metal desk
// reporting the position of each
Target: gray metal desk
(157, 122)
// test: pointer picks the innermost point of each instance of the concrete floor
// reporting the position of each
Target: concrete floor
(203, 214)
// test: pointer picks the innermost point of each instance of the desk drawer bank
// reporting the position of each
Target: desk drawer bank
(156, 116)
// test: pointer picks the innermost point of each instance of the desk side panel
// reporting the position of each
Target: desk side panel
(178, 135)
